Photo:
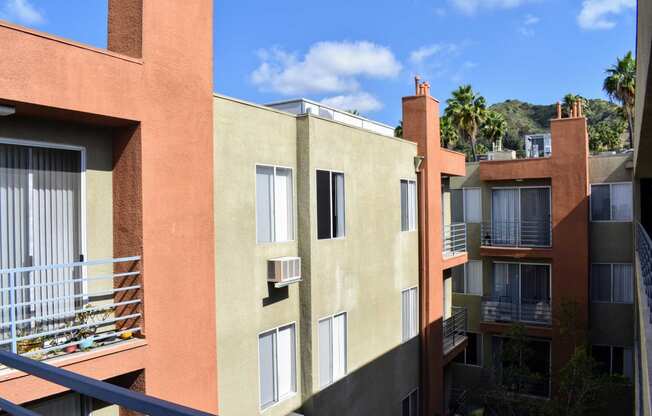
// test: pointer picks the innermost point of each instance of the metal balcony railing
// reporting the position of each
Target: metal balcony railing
(517, 233)
(51, 310)
(644, 248)
(455, 328)
(454, 239)
(504, 309)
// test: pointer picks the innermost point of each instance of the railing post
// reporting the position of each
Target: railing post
(12, 311)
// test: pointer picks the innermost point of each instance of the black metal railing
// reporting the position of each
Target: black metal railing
(516, 233)
(644, 248)
(90, 387)
(506, 309)
(455, 328)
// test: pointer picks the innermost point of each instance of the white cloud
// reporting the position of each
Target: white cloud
(595, 14)
(21, 11)
(526, 29)
(472, 6)
(362, 101)
(328, 67)
(423, 53)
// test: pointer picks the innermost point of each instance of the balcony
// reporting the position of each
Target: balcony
(53, 310)
(454, 240)
(528, 234)
(503, 309)
(455, 329)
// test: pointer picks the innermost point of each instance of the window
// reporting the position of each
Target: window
(520, 217)
(408, 205)
(468, 278)
(330, 204)
(274, 204)
(410, 313)
(472, 354)
(332, 349)
(612, 283)
(410, 404)
(276, 349)
(613, 360)
(472, 205)
(611, 202)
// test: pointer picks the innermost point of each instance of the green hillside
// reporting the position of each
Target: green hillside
(604, 120)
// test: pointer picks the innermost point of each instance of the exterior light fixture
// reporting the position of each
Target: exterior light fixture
(7, 110)
(418, 161)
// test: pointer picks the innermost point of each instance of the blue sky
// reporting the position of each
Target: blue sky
(363, 54)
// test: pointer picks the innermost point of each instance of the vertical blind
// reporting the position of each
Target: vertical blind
(277, 364)
(409, 313)
(473, 277)
(472, 205)
(612, 283)
(40, 223)
(332, 349)
(505, 215)
(408, 205)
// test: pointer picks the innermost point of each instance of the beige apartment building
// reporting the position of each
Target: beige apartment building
(317, 257)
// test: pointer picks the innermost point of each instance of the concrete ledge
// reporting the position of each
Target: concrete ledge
(450, 262)
(517, 252)
(452, 163)
(101, 363)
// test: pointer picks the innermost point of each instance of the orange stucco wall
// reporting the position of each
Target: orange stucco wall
(421, 125)
(567, 169)
(162, 169)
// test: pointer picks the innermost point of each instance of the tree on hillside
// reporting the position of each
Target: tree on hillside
(449, 134)
(605, 136)
(494, 127)
(466, 111)
(620, 85)
(570, 100)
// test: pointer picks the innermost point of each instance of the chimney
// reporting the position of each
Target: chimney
(558, 109)
(417, 80)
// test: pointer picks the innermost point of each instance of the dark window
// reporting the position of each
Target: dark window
(602, 354)
(472, 354)
(330, 204)
(600, 203)
(410, 405)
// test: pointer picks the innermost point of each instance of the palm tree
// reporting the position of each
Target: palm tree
(448, 132)
(620, 85)
(494, 127)
(569, 101)
(466, 111)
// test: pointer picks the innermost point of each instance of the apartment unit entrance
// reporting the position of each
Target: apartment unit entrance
(520, 217)
(41, 223)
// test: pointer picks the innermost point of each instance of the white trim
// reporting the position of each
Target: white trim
(610, 198)
(417, 314)
(279, 399)
(273, 203)
(416, 205)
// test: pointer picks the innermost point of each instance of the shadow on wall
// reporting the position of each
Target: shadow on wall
(377, 388)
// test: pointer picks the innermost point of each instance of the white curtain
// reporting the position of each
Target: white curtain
(283, 212)
(339, 346)
(474, 277)
(621, 201)
(264, 208)
(472, 205)
(405, 215)
(535, 216)
(338, 204)
(325, 352)
(506, 282)
(412, 205)
(505, 216)
(266, 370)
(286, 361)
(623, 291)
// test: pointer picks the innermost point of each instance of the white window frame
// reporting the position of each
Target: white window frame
(464, 204)
(610, 184)
(409, 395)
(611, 357)
(480, 345)
(413, 217)
(278, 399)
(465, 281)
(273, 202)
(414, 332)
(346, 346)
(611, 283)
(330, 193)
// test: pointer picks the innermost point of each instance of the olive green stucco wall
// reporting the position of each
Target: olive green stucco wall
(361, 274)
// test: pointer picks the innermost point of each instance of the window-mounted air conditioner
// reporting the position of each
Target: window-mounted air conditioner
(283, 271)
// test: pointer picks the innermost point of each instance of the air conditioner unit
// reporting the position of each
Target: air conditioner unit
(283, 271)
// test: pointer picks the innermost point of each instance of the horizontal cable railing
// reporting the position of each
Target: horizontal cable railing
(50, 310)
(505, 309)
(455, 328)
(517, 233)
(454, 239)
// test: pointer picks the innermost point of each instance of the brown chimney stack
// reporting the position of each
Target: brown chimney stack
(416, 84)
(558, 109)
